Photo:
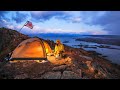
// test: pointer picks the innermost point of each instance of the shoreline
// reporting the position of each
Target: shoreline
(100, 40)
(101, 56)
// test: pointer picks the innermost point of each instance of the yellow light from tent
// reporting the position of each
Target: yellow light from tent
(46, 50)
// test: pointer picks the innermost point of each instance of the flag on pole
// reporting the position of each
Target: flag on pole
(29, 24)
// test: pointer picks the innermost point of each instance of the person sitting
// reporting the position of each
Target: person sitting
(59, 49)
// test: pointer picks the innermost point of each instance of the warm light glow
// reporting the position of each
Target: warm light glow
(31, 48)
(46, 50)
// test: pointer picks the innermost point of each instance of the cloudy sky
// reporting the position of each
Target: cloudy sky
(82, 22)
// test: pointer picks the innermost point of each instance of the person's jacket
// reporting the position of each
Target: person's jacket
(59, 48)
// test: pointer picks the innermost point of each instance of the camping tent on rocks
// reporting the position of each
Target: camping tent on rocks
(38, 50)
(31, 49)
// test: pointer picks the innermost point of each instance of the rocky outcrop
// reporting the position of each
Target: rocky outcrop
(80, 70)
(22, 76)
(9, 39)
(80, 64)
(60, 68)
(51, 75)
(70, 75)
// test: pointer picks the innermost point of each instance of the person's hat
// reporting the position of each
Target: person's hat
(58, 41)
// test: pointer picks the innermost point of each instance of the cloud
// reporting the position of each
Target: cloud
(41, 16)
(91, 16)
(93, 29)
(46, 15)
(110, 20)
(110, 17)
(97, 32)
(85, 29)
(20, 17)
(3, 18)
(90, 22)
(2, 14)
(76, 20)
(4, 23)
(10, 26)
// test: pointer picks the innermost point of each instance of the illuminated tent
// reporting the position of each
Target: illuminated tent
(31, 49)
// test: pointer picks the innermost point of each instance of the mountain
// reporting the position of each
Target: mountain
(54, 34)
(80, 64)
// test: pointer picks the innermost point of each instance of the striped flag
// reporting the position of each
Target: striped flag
(29, 24)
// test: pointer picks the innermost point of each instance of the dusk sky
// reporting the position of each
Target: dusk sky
(80, 22)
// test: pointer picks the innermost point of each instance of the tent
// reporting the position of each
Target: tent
(31, 49)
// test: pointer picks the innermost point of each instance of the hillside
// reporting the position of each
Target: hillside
(9, 39)
(82, 64)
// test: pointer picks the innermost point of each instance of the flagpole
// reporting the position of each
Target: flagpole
(22, 27)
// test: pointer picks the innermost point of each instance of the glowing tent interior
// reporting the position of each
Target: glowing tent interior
(31, 49)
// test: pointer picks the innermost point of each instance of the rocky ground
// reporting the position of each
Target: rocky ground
(80, 65)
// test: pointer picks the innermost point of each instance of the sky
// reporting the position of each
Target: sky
(75, 22)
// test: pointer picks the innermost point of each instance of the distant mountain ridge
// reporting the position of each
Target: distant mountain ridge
(72, 34)
(54, 34)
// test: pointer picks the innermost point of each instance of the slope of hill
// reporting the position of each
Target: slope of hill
(82, 64)
(9, 39)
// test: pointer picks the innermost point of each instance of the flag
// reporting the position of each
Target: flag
(29, 24)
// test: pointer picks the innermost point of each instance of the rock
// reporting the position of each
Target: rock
(77, 59)
(88, 63)
(62, 67)
(91, 68)
(22, 76)
(95, 65)
(51, 75)
(79, 72)
(8, 65)
(102, 72)
(24, 65)
(70, 75)
(83, 65)
(101, 75)
(85, 77)
(68, 61)
(86, 57)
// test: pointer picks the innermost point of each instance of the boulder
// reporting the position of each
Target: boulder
(70, 75)
(86, 57)
(91, 68)
(79, 72)
(51, 75)
(21, 76)
(59, 68)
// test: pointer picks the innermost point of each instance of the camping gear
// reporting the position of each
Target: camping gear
(58, 56)
(31, 49)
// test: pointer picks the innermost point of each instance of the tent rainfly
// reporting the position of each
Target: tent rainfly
(31, 49)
